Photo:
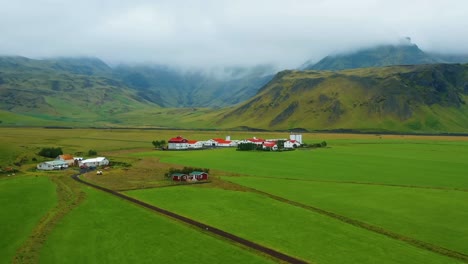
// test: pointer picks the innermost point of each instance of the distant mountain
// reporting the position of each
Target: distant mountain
(384, 55)
(176, 88)
(424, 98)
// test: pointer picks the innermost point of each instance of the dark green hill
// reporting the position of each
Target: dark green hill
(422, 98)
(385, 55)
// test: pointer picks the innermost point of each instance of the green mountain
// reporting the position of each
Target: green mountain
(384, 55)
(175, 88)
(423, 98)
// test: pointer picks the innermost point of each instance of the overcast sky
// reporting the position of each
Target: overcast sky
(238, 32)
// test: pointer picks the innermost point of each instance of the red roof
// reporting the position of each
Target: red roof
(192, 141)
(269, 144)
(178, 139)
(222, 141)
(256, 140)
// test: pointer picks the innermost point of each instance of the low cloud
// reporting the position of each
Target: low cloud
(208, 33)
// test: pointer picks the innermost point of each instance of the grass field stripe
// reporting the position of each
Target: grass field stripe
(364, 183)
(412, 241)
(250, 244)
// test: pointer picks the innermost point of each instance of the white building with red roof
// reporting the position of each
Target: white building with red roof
(178, 143)
(194, 144)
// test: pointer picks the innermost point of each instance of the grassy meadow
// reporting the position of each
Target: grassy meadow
(24, 201)
(414, 186)
(105, 229)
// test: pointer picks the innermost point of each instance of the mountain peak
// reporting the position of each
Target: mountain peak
(403, 53)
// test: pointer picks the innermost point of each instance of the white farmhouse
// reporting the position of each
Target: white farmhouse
(52, 165)
(178, 143)
(194, 144)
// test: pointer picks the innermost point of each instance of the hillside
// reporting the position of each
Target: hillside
(424, 98)
(379, 56)
(87, 92)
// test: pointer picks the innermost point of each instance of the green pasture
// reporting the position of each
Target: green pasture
(435, 216)
(24, 201)
(421, 163)
(106, 229)
(290, 229)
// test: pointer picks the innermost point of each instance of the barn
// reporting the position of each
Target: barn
(178, 143)
(95, 162)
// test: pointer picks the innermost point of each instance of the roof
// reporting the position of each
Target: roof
(65, 157)
(98, 159)
(178, 174)
(222, 141)
(256, 140)
(178, 139)
(292, 140)
(269, 144)
(56, 162)
(197, 172)
(192, 141)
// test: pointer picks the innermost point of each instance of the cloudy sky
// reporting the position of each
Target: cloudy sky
(221, 32)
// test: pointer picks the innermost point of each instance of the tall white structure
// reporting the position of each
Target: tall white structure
(297, 137)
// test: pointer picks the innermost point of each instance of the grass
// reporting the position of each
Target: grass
(436, 164)
(289, 229)
(24, 200)
(105, 229)
(435, 216)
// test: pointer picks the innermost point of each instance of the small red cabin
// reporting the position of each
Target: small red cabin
(199, 175)
(179, 177)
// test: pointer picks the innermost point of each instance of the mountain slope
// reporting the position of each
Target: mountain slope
(385, 55)
(429, 98)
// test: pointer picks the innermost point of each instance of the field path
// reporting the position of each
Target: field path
(376, 229)
(205, 228)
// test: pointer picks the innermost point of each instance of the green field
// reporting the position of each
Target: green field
(105, 229)
(435, 216)
(412, 186)
(24, 201)
(289, 229)
(422, 163)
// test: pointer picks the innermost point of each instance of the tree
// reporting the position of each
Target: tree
(159, 143)
(92, 152)
(50, 152)
(280, 144)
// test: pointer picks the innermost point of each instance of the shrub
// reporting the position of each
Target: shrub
(92, 152)
(50, 152)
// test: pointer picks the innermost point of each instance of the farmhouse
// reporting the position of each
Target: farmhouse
(66, 158)
(52, 165)
(194, 144)
(178, 143)
(198, 175)
(94, 162)
(291, 144)
(179, 177)
(193, 176)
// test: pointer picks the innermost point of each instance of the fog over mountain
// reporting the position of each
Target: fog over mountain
(208, 33)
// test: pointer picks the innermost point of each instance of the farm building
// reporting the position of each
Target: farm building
(178, 143)
(179, 177)
(296, 137)
(291, 144)
(194, 144)
(66, 158)
(198, 175)
(258, 141)
(193, 176)
(270, 145)
(52, 165)
(94, 162)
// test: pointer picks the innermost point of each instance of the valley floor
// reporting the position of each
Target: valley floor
(363, 199)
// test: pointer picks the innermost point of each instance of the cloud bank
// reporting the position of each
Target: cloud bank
(203, 33)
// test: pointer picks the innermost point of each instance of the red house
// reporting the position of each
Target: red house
(179, 177)
(198, 175)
